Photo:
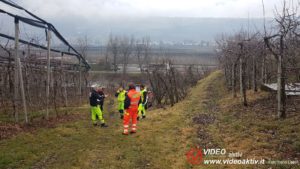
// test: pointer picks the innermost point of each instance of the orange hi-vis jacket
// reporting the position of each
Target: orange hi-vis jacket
(132, 100)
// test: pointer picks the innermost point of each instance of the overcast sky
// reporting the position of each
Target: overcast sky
(143, 8)
(98, 18)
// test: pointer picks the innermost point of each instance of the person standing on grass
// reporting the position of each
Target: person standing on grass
(144, 100)
(95, 100)
(121, 94)
(100, 91)
(131, 104)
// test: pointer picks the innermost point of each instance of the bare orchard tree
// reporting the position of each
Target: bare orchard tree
(231, 55)
(139, 47)
(142, 50)
(113, 48)
(279, 45)
(169, 84)
(238, 54)
(276, 53)
(126, 48)
(9, 76)
(147, 51)
(83, 46)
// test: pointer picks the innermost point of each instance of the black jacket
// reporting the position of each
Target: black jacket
(95, 98)
(101, 93)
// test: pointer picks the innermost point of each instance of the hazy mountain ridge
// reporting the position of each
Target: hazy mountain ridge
(159, 29)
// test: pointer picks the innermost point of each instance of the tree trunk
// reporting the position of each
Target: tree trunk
(242, 79)
(115, 62)
(254, 81)
(263, 71)
(80, 83)
(227, 78)
(281, 83)
(234, 80)
(248, 74)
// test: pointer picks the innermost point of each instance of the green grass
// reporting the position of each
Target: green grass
(62, 111)
(162, 140)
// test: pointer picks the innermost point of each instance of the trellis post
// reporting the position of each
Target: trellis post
(18, 72)
(63, 74)
(48, 71)
(16, 76)
(80, 81)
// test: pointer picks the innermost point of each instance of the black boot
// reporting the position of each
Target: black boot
(138, 118)
(103, 125)
(121, 114)
(144, 116)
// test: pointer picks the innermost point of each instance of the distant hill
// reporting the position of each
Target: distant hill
(165, 29)
(157, 28)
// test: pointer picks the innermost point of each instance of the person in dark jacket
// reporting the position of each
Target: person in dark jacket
(100, 91)
(95, 100)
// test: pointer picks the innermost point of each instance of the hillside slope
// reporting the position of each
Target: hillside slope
(208, 118)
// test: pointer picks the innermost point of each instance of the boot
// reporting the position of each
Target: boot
(121, 114)
(103, 125)
(132, 132)
(144, 116)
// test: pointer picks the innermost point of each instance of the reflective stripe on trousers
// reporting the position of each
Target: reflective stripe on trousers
(130, 114)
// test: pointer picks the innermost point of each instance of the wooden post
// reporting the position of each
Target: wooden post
(281, 105)
(65, 90)
(254, 74)
(22, 90)
(233, 79)
(18, 70)
(263, 80)
(80, 82)
(16, 76)
(48, 72)
(242, 77)
(63, 74)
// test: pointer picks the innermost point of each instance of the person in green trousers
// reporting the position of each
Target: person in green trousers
(95, 100)
(143, 105)
(121, 95)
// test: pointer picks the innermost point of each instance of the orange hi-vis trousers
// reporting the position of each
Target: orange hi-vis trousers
(130, 114)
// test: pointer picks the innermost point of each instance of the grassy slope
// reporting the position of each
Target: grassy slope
(161, 142)
(254, 131)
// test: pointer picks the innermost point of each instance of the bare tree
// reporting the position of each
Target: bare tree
(83, 46)
(276, 53)
(139, 47)
(278, 45)
(126, 48)
(113, 48)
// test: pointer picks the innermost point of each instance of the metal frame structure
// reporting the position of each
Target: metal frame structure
(49, 30)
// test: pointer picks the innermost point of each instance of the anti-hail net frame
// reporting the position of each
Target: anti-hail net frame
(68, 69)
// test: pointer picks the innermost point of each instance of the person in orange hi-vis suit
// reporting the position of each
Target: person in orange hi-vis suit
(131, 105)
